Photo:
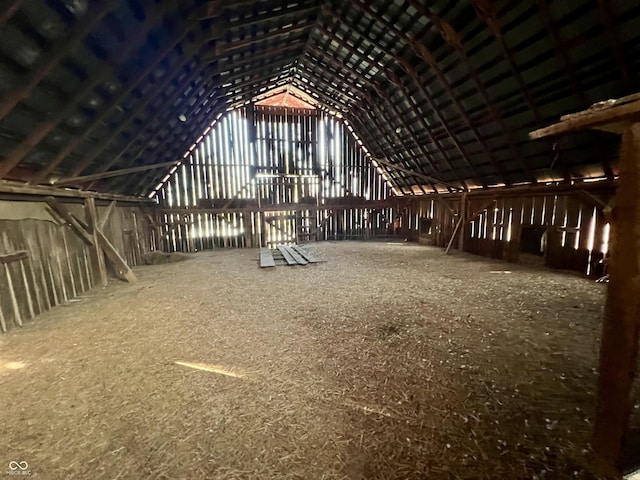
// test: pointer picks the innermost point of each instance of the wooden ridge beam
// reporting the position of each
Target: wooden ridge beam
(227, 67)
(220, 28)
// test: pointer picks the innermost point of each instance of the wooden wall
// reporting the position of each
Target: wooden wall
(569, 230)
(280, 159)
(55, 265)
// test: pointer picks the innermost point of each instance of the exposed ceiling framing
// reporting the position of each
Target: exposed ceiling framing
(443, 93)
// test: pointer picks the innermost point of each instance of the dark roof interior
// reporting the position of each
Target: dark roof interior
(448, 89)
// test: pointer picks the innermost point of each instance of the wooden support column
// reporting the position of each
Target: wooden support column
(619, 347)
(98, 264)
(621, 325)
(463, 222)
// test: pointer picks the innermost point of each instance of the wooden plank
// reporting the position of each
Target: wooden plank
(3, 322)
(287, 255)
(117, 262)
(621, 327)
(300, 260)
(14, 257)
(266, 258)
(306, 254)
(612, 116)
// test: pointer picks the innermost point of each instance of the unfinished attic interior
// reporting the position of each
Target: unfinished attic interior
(376, 239)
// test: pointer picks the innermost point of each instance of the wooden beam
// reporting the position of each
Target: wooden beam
(9, 11)
(279, 207)
(165, 134)
(621, 328)
(104, 220)
(18, 153)
(453, 235)
(75, 140)
(113, 173)
(417, 174)
(611, 116)
(225, 48)
(52, 58)
(45, 191)
(14, 257)
(169, 76)
(119, 265)
(97, 255)
(69, 219)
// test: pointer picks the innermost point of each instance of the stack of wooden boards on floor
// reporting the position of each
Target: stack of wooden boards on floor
(286, 255)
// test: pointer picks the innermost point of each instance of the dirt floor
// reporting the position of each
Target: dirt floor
(389, 361)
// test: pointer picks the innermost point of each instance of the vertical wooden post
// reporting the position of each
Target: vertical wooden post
(619, 347)
(463, 222)
(246, 222)
(97, 255)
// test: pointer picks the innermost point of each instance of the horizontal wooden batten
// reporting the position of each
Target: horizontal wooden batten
(14, 257)
(278, 208)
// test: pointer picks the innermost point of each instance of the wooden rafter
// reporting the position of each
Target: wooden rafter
(493, 22)
(422, 52)
(397, 115)
(14, 157)
(606, 8)
(9, 11)
(96, 13)
(398, 118)
(43, 174)
(170, 75)
(112, 173)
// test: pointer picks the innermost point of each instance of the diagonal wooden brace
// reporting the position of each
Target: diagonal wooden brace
(92, 235)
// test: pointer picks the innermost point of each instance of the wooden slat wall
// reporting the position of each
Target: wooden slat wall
(58, 267)
(576, 230)
(263, 156)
